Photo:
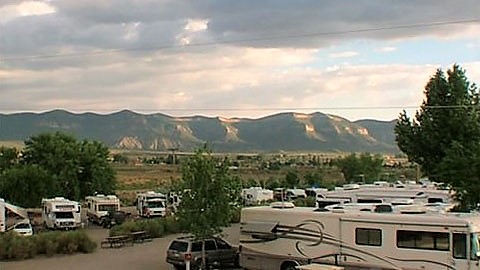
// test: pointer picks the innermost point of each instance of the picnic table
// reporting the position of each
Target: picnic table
(116, 241)
(140, 236)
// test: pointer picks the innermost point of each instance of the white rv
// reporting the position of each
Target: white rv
(151, 204)
(3, 221)
(256, 195)
(18, 211)
(61, 214)
(283, 238)
(99, 205)
(382, 194)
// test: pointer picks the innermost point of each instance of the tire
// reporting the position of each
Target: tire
(289, 265)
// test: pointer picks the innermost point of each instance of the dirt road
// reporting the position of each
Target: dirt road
(144, 256)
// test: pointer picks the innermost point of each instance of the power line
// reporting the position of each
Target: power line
(267, 38)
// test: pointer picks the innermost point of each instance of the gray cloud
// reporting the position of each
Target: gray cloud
(112, 54)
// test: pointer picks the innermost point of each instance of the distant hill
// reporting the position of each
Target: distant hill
(280, 132)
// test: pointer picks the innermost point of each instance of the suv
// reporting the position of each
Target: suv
(218, 253)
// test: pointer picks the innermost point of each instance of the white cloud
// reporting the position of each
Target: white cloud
(387, 49)
(346, 54)
(27, 8)
(196, 25)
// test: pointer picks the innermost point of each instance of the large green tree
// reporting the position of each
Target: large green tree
(75, 169)
(444, 137)
(210, 195)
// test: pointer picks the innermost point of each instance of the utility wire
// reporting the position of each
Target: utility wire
(268, 38)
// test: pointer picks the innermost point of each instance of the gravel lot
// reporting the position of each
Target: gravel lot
(144, 256)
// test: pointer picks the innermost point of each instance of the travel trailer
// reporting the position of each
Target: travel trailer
(256, 195)
(99, 206)
(151, 204)
(61, 214)
(284, 237)
(18, 211)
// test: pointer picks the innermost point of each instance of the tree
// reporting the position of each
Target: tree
(78, 168)
(445, 131)
(27, 185)
(291, 179)
(8, 157)
(363, 168)
(210, 195)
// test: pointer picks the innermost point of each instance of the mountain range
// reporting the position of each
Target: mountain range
(315, 132)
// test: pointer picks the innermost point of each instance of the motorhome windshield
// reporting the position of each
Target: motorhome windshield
(62, 215)
(107, 207)
(474, 246)
(155, 204)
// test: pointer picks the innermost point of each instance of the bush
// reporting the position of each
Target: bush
(305, 202)
(156, 227)
(13, 246)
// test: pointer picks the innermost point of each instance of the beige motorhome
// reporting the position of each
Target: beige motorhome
(99, 205)
(285, 237)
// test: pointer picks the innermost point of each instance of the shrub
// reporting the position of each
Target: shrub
(13, 246)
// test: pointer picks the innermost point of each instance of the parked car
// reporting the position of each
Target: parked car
(219, 253)
(23, 228)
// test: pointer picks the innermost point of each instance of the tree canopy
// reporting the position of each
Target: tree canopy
(444, 137)
(365, 168)
(55, 165)
(210, 194)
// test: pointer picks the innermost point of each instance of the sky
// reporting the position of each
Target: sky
(358, 59)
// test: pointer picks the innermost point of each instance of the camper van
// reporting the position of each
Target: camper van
(99, 206)
(286, 237)
(256, 195)
(61, 214)
(151, 204)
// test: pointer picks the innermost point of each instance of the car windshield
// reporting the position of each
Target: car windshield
(155, 204)
(22, 226)
(63, 214)
(107, 207)
(179, 246)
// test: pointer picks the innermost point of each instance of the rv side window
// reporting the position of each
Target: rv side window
(423, 240)
(459, 245)
(368, 237)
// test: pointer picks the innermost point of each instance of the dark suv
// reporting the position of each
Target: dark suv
(219, 253)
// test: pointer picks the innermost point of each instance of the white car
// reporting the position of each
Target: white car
(23, 228)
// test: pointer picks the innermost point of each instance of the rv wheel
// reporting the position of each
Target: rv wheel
(289, 266)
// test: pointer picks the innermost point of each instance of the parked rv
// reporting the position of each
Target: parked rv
(256, 195)
(284, 238)
(61, 214)
(101, 207)
(380, 193)
(151, 204)
(18, 211)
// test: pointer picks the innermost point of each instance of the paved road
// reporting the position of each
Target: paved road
(144, 256)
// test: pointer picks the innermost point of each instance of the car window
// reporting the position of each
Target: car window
(179, 246)
(222, 244)
(196, 246)
(22, 226)
(210, 245)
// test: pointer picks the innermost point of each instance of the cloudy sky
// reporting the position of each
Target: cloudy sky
(357, 59)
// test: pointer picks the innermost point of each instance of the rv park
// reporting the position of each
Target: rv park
(140, 175)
